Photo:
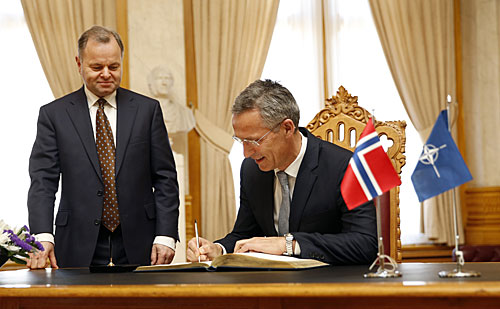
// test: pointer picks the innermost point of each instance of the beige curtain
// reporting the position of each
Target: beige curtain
(55, 27)
(231, 43)
(418, 42)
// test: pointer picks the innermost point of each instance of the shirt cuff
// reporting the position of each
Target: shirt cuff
(166, 241)
(296, 251)
(45, 237)
(223, 249)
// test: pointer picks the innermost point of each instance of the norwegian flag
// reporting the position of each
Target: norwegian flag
(370, 172)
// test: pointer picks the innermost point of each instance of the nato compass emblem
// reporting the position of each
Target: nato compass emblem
(430, 156)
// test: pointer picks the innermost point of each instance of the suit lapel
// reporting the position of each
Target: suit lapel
(306, 178)
(126, 112)
(78, 111)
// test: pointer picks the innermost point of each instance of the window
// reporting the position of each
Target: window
(358, 63)
(24, 90)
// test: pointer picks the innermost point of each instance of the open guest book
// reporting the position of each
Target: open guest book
(239, 261)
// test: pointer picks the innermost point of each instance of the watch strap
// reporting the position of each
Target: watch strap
(289, 244)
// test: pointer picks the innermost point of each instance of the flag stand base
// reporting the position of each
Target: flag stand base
(459, 273)
(382, 272)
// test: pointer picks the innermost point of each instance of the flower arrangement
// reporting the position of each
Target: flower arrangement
(15, 244)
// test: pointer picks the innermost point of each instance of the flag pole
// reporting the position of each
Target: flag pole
(458, 272)
(382, 271)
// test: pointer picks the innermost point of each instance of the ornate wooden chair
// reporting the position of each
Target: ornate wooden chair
(341, 122)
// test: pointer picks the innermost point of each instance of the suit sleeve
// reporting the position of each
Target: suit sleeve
(44, 170)
(356, 243)
(164, 176)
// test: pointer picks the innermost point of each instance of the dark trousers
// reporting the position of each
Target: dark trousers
(102, 251)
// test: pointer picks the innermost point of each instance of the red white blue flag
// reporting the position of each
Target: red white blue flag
(370, 172)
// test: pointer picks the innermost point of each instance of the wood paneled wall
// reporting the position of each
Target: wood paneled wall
(483, 216)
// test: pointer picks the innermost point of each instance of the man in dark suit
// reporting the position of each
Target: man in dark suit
(290, 201)
(120, 202)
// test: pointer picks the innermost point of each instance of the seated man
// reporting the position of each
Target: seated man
(290, 201)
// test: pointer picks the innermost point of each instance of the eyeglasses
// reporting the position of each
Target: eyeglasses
(253, 142)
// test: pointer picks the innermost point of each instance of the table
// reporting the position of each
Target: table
(335, 286)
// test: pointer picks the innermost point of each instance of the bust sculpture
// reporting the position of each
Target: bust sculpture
(178, 118)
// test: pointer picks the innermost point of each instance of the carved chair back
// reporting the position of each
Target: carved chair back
(341, 122)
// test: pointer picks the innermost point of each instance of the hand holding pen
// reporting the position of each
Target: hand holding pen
(200, 249)
(197, 239)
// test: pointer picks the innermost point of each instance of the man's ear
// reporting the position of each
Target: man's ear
(78, 62)
(289, 126)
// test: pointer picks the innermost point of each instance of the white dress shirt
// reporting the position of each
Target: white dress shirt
(110, 111)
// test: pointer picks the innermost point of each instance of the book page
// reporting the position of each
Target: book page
(253, 260)
(272, 257)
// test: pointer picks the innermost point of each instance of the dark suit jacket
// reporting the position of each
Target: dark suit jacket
(319, 219)
(146, 179)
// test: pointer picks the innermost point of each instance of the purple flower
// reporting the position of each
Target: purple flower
(20, 243)
(29, 238)
(39, 246)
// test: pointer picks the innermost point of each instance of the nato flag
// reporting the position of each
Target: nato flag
(441, 166)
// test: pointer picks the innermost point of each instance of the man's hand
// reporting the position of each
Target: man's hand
(39, 259)
(161, 254)
(207, 251)
(270, 245)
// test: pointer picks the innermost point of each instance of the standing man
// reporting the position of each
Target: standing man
(290, 201)
(110, 148)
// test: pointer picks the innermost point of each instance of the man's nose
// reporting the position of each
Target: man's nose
(248, 149)
(105, 72)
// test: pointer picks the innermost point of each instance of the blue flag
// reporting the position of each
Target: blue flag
(441, 166)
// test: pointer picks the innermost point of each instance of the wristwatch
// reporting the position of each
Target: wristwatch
(288, 244)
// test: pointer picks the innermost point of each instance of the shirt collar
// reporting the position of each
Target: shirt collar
(293, 169)
(92, 98)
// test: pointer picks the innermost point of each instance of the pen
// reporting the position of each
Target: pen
(197, 238)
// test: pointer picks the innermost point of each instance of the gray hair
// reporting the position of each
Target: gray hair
(273, 101)
(99, 34)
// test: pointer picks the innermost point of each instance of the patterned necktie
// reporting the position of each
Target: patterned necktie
(284, 215)
(106, 151)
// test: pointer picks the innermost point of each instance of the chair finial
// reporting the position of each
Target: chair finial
(342, 97)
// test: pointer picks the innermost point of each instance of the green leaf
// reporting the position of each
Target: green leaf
(17, 260)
